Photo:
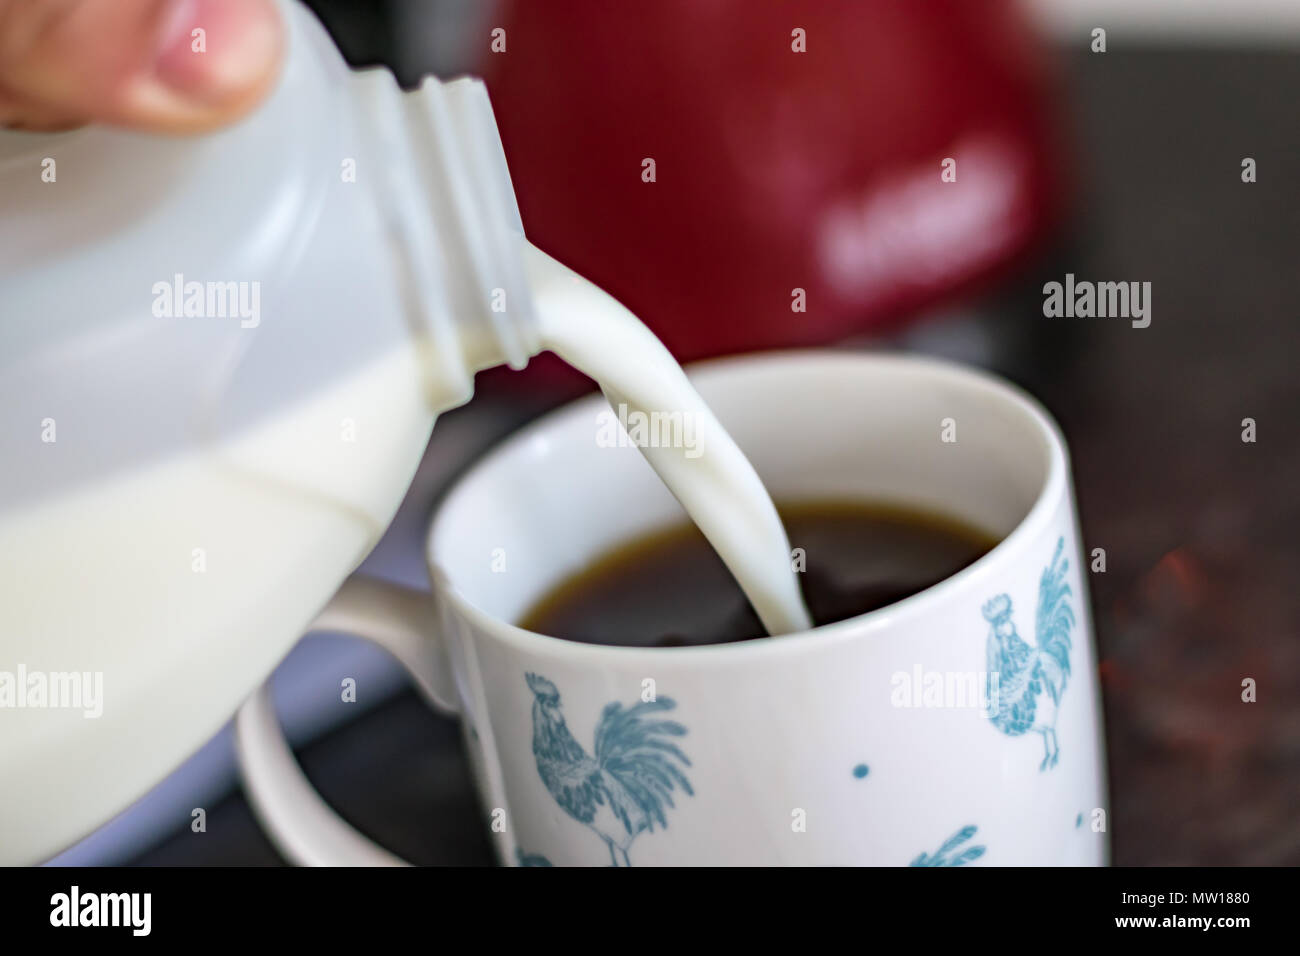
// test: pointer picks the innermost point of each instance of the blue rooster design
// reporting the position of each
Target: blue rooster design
(622, 791)
(941, 856)
(1022, 672)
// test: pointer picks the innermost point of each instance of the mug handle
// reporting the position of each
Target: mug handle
(298, 821)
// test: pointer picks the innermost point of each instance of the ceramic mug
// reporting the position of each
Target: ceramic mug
(958, 726)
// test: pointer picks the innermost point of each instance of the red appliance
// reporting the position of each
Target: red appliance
(776, 170)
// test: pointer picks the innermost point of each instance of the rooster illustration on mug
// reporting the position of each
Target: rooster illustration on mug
(624, 789)
(1022, 672)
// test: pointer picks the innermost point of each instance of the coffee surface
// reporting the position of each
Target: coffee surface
(670, 588)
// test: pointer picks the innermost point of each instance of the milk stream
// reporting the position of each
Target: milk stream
(158, 578)
(719, 489)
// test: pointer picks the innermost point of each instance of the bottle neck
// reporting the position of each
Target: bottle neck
(445, 195)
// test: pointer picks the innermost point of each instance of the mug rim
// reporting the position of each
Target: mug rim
(1053, 487)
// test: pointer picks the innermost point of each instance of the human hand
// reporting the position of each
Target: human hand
(171, 66)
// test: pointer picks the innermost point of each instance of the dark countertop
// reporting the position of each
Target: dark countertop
(1200, 529)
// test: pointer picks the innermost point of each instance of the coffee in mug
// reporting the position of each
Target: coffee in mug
(669, 588)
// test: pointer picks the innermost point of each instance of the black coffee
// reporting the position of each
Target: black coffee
(670, 588)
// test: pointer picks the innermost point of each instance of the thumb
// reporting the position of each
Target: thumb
(163, 65)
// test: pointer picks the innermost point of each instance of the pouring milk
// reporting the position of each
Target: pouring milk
(187, 479)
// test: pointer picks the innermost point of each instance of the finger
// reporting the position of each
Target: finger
(166, 65)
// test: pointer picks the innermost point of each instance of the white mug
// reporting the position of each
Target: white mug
(958, 726)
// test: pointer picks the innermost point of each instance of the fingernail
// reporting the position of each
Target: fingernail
(213, 50)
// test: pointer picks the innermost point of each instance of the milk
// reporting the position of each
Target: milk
(182, 489)
(171, 580)
(713, 480)
(172, 583)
